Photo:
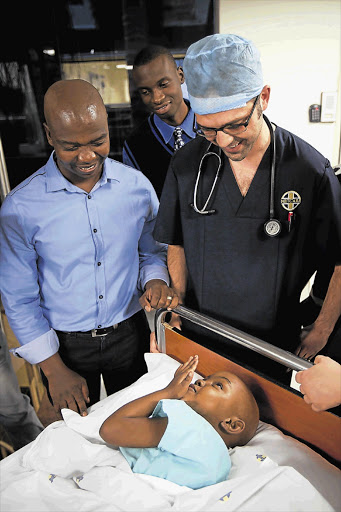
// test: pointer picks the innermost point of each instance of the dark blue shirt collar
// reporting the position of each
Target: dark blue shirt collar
(166, 131)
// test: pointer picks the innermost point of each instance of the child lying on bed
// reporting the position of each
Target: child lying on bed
(191, 427)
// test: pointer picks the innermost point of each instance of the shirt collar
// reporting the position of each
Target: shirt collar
(56, 181)
(166, 131)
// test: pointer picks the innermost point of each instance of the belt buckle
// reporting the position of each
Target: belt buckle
(95, 335)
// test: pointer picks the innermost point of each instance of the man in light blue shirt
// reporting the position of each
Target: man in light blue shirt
(76, 254)
(151, 145)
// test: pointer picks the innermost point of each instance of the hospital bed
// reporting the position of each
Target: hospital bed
(289, 465)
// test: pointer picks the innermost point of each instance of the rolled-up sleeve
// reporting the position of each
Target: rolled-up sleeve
(20, 288)
(39, 349)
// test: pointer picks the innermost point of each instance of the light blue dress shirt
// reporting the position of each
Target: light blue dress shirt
(190, 452)
(75, 261)
(166, 133)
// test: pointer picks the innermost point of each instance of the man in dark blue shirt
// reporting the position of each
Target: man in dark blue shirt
(232, 252)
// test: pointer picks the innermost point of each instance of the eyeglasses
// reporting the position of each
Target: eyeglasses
(230, 129)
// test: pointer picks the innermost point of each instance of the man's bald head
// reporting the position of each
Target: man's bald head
(71, 100)
(77, 128)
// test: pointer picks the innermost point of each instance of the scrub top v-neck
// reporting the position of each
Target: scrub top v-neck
(229, 239)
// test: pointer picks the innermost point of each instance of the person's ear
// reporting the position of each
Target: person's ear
(181, 74)
(264, 97)
(48, 134)
(232, 425)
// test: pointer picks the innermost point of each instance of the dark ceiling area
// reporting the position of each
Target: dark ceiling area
(42, 36)
(79, 26)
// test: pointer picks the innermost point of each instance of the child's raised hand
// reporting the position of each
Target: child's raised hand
(178, 387)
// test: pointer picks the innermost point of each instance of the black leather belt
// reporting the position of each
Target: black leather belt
(96, 332)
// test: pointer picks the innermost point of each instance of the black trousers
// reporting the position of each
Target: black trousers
(118, 356)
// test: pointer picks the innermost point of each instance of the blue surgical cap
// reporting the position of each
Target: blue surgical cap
(222, 72)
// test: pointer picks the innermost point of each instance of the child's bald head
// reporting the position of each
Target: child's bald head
(227, 403)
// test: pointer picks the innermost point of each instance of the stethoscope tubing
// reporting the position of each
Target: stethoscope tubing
(273, 172)
(203, 210)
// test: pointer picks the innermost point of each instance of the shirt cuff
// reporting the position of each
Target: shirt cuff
(147, 274)
(39, 349)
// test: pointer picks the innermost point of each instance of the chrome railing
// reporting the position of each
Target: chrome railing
(4, 181)
(246, 340)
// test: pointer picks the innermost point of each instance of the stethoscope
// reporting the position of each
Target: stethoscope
(272, 227)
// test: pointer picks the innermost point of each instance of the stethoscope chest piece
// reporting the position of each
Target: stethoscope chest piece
(272, 227)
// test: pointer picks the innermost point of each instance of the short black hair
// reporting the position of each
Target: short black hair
(151, 52)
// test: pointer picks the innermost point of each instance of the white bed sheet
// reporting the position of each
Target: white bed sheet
(69, 468)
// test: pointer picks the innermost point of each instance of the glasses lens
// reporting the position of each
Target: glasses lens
(234, 130)
(209, 134)
(230, 130)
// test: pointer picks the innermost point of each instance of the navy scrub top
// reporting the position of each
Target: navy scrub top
(237, 274)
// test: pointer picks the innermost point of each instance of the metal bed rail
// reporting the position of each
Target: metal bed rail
(246, 340)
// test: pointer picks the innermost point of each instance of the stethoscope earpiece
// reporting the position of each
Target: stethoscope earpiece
(202, 212)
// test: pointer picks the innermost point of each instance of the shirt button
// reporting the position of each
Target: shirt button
(99, 263)
(100, 297)
(89, 196)
(95, 230)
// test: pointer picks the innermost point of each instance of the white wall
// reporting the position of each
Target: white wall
(299, 42)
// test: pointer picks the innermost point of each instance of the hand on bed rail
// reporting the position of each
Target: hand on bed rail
(312, 342)
(158, 295)
(321, 384)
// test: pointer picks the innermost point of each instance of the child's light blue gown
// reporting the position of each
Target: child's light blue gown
(189, 453)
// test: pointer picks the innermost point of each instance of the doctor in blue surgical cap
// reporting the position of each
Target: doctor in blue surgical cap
(214, 87)
(249, 210)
